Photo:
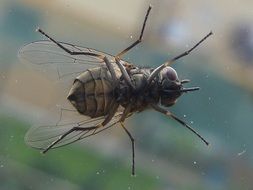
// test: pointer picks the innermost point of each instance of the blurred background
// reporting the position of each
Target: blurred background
(168, 157)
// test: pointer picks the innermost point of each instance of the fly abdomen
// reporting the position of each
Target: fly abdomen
(92, 92)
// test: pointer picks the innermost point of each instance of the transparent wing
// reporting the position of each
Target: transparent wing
(44, 134)
(58, 65)
(47, 54)
(63, 68)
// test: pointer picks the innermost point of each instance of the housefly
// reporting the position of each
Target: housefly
(103, 90)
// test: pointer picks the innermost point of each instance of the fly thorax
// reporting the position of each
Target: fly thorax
(139, 81)
(139, 77)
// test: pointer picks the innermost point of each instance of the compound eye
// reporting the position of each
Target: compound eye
(170, 73)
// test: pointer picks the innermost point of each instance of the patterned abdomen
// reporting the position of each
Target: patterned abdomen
(92, 92)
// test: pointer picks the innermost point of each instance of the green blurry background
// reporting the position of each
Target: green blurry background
(168, 156)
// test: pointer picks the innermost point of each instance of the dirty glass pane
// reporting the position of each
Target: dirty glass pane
(167, 155)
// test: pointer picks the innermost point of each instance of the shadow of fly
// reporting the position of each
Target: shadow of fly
(104, 91)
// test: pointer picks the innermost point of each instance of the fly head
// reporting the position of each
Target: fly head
(171, 87)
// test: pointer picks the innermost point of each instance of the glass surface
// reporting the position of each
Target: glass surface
(168, 156)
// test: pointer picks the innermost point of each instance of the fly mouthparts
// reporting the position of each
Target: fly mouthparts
(189, 89)
(183, 90)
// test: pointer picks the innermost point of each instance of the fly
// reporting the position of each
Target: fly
(101, 90)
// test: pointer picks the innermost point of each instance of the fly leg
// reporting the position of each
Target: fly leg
(168, 63)
(132, 141)
(122, 119)
(124, 73)
(168, 113)
(79, 128)
(66, 134)
(140, 38)
(102, 57)
(117, 57)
